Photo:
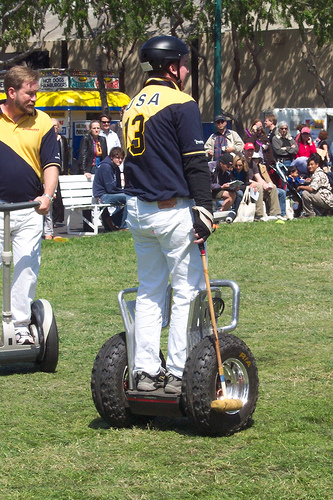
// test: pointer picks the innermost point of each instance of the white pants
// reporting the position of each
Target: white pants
(26, 230)
(164, 245)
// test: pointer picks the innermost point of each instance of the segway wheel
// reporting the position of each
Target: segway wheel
(43, 320)
(201, 385)
(109, 382)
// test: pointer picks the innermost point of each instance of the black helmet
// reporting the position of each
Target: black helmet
(160, 51)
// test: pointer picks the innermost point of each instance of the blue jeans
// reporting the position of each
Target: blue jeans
(117, 199)
(239, 197)
(282, 194)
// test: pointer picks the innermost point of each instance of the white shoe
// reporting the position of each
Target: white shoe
(258, 219)
(272, 217)
(24, 337)
(282, 217)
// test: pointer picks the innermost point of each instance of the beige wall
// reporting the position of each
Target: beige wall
(284, 81)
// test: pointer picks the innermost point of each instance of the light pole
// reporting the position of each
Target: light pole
(217, 59)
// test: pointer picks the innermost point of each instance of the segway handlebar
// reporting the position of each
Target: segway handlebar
(21, 205)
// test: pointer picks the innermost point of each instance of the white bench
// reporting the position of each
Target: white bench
(77, 196)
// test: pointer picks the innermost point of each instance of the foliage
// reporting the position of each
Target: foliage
(54, 445)
(19, 22)
(316, 16)
(315, 23)
(113, 28)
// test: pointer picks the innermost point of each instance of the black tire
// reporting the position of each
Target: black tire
(201, 380)
(51, 355)
(109, 381)
(49, 348)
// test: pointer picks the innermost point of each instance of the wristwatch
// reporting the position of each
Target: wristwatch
(48, 196)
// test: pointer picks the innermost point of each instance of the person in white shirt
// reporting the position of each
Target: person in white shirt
(111, 137)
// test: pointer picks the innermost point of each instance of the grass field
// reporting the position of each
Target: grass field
(54, 446)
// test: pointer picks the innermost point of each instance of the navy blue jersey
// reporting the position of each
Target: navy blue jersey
(162, 131)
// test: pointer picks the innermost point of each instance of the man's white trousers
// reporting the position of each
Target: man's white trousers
(26, 230)
(164, 246)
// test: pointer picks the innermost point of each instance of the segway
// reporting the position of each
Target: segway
(218, 400)
(45, 350)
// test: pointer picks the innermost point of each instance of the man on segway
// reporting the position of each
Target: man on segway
(165, 170)
(29, 160)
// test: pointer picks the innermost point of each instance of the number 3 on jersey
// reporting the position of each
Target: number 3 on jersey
(134, 132)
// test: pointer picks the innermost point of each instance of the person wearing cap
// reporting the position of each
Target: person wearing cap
(306, 146)
(220, 179)
(266, 189)
(222, 141)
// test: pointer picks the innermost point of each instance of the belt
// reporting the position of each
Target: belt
(170, 203)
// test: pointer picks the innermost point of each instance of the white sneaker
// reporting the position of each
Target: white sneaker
(24, 337)
(272, 217)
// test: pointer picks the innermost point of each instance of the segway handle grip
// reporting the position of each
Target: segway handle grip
(21, 205)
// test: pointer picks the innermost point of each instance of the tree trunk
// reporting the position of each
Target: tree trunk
(121, 77)
(310, 58)
(100, 80)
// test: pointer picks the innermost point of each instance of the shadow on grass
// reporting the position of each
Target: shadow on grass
(179, 425)
(182, 426)
(18, 368)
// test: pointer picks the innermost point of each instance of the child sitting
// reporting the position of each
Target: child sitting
(294, 179)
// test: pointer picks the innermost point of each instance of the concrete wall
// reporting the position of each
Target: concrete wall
(284, 81)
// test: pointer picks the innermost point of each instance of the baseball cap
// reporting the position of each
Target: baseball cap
(249, 145)
(305, 130)
(226, 159)
(220, 117)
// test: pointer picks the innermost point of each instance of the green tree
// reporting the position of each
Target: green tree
(315, 24)
(113, 27)
(120, 24)
(248, 20)
(21, 21)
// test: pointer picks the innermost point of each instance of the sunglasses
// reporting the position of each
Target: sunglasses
(283, 128)
(108, 121)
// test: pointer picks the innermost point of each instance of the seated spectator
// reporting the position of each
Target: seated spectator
(107, 188)
(240, 172)
(265, 175)
(220, 179)
(284, 146)
(306, 146)
(261, 142)
(301, 165)
(267, 191)
(294, 180)
(317, 197)
(223, 141)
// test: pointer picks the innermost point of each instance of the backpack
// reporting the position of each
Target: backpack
(330, 178)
